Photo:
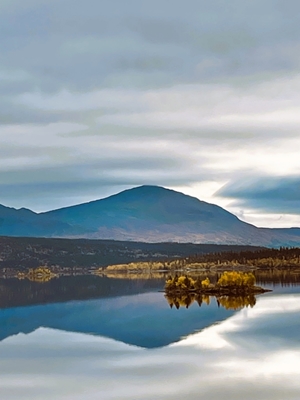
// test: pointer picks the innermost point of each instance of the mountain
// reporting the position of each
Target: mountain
(145, 213)
(24, 222)
(148, 211)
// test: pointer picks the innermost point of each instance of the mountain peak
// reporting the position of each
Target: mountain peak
(148, 189)
(158, 193)
(156, 197)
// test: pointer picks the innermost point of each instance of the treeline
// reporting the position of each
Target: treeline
(18, 252)
(263, 258)
(284, 256)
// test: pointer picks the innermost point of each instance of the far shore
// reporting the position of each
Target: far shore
(135, 271)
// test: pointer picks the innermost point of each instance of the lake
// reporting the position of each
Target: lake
(87, 337)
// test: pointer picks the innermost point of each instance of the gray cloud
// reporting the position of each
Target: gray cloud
(99, 96)
(268, 194)
(83, 45)
(44, 188)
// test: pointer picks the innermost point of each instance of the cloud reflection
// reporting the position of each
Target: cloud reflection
(239, 358)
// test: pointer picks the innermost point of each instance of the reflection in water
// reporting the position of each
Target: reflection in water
(236, 302)
(95, 349)
(254, 354)
(40, 275)
(228, 302)
(41, 288)
(15, 292)
(139, 319)
(272, 276)
(283, 277)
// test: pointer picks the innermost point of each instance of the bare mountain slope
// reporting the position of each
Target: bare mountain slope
(152, 213)
(145, 213)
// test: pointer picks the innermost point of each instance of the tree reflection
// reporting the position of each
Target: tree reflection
(40, 275)
(228, 302)
(236, 302)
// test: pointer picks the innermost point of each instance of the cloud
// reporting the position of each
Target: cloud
(85, 168)
(268, 193)
(258, 110)
(189, 95)
(80, 46)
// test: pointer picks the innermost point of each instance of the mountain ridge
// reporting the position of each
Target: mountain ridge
(145, 213)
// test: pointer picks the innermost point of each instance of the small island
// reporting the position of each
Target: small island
(229, 283)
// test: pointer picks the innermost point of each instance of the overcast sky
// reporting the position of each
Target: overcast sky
(195, 95)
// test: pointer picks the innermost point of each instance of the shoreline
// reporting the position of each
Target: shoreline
(57, 272)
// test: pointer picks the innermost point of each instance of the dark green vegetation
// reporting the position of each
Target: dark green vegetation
(268, 258)
(18, 253)
(146, 213)
(249, 259)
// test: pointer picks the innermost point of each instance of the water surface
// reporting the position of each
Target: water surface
(132, 345)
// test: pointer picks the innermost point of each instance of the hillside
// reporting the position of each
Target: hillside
(18, 252)
(24, 222)
(145, 213)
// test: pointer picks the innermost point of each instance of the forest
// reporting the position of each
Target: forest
(26, 252)
(245, 259)
(284, 256)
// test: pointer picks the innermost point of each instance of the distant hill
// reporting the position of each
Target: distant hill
(24, 222)
(145, 213)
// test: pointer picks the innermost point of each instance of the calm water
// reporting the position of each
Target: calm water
(99, 338)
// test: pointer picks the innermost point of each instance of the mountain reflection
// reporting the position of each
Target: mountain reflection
(43, 286)
(242, 355)
(228, 302)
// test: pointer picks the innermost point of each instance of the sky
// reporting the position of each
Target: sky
(201, 97)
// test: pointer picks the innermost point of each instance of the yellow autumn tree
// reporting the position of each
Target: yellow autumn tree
(181, 283)
(235, 278)
(205, 283)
